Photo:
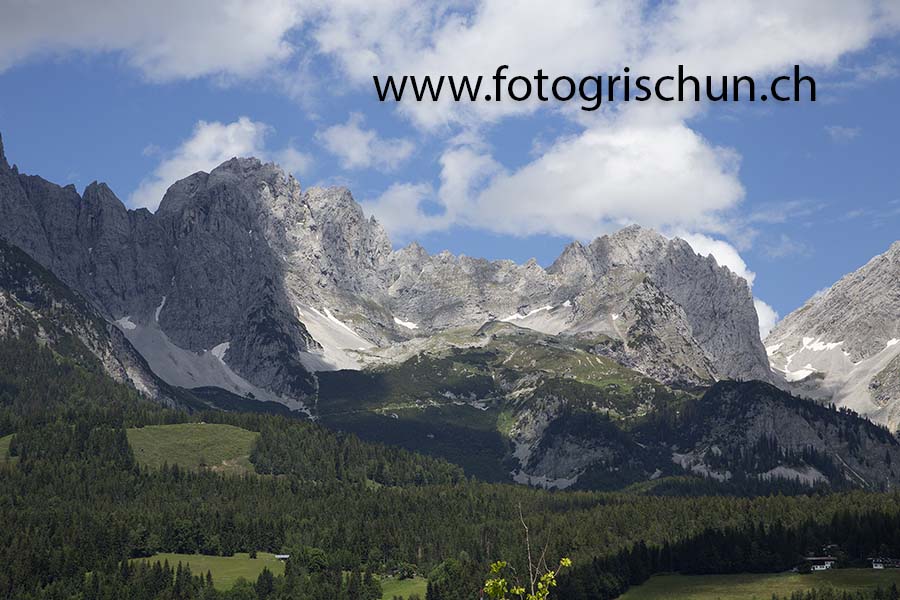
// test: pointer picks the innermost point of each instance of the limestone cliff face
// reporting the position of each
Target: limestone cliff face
(843, 345)
(242, 266)
(634, 286)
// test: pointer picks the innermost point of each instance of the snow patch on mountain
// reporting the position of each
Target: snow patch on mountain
(407, 324)
(521, 317)
(799, 374)
(220, 350)
(125, 323)
(848, 336)
(548, 319)
(816, 345)
(340, 343)
(183, 368)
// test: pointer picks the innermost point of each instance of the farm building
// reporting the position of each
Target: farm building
(885, 563)
(820, 563)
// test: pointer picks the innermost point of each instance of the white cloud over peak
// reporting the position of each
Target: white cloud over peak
(767, 315)
(661, 175)
(360, 148)
(725, 254)
(211, 144)
(399, 209)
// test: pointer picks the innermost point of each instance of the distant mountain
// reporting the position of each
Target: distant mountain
(242, 281)
(843, 345)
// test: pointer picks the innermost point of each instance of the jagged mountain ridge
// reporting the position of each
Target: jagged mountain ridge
(843, 345)
(243, 280)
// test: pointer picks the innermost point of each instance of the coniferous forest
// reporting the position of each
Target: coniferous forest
(77, 508)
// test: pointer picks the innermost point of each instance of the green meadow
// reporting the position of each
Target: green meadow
(222, 448)
(747, 586)
(391, 588)
(226, 570)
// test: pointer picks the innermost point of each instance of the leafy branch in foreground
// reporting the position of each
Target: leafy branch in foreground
(541, 578)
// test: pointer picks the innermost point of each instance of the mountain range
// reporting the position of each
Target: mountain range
(244, 290)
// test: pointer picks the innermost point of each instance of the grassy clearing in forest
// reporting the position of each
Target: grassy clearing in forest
(221, 448)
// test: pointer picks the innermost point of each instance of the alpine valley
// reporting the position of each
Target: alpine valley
(630, 361)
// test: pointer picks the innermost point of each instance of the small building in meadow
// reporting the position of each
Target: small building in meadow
(883, 562)
(820, 563)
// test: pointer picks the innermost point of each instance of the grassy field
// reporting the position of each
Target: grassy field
(757, 587)
(222, 448)
(225, 569)
(404, 588)
(4, 450)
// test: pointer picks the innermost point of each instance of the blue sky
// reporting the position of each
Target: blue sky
(796, 194)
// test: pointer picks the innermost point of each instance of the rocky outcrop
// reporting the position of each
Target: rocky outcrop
(755, 429)
(843, 345)
(35, 305)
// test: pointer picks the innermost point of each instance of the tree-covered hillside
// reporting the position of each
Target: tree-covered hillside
(76, 501)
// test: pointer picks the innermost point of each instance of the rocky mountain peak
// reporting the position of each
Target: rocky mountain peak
(634, 246)
(3, 163)
(100, 197)
(573, 259)
(843, 345)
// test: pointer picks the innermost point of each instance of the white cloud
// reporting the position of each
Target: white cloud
(163, 39)
(725, 254)
(782, 212)
(820, 293)
(838, 133)
(294, 161)
(211, 144)
(399, 210)
(767, 315)
(661, 175)
(588, 37)
(758, 37)
(359, 148)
